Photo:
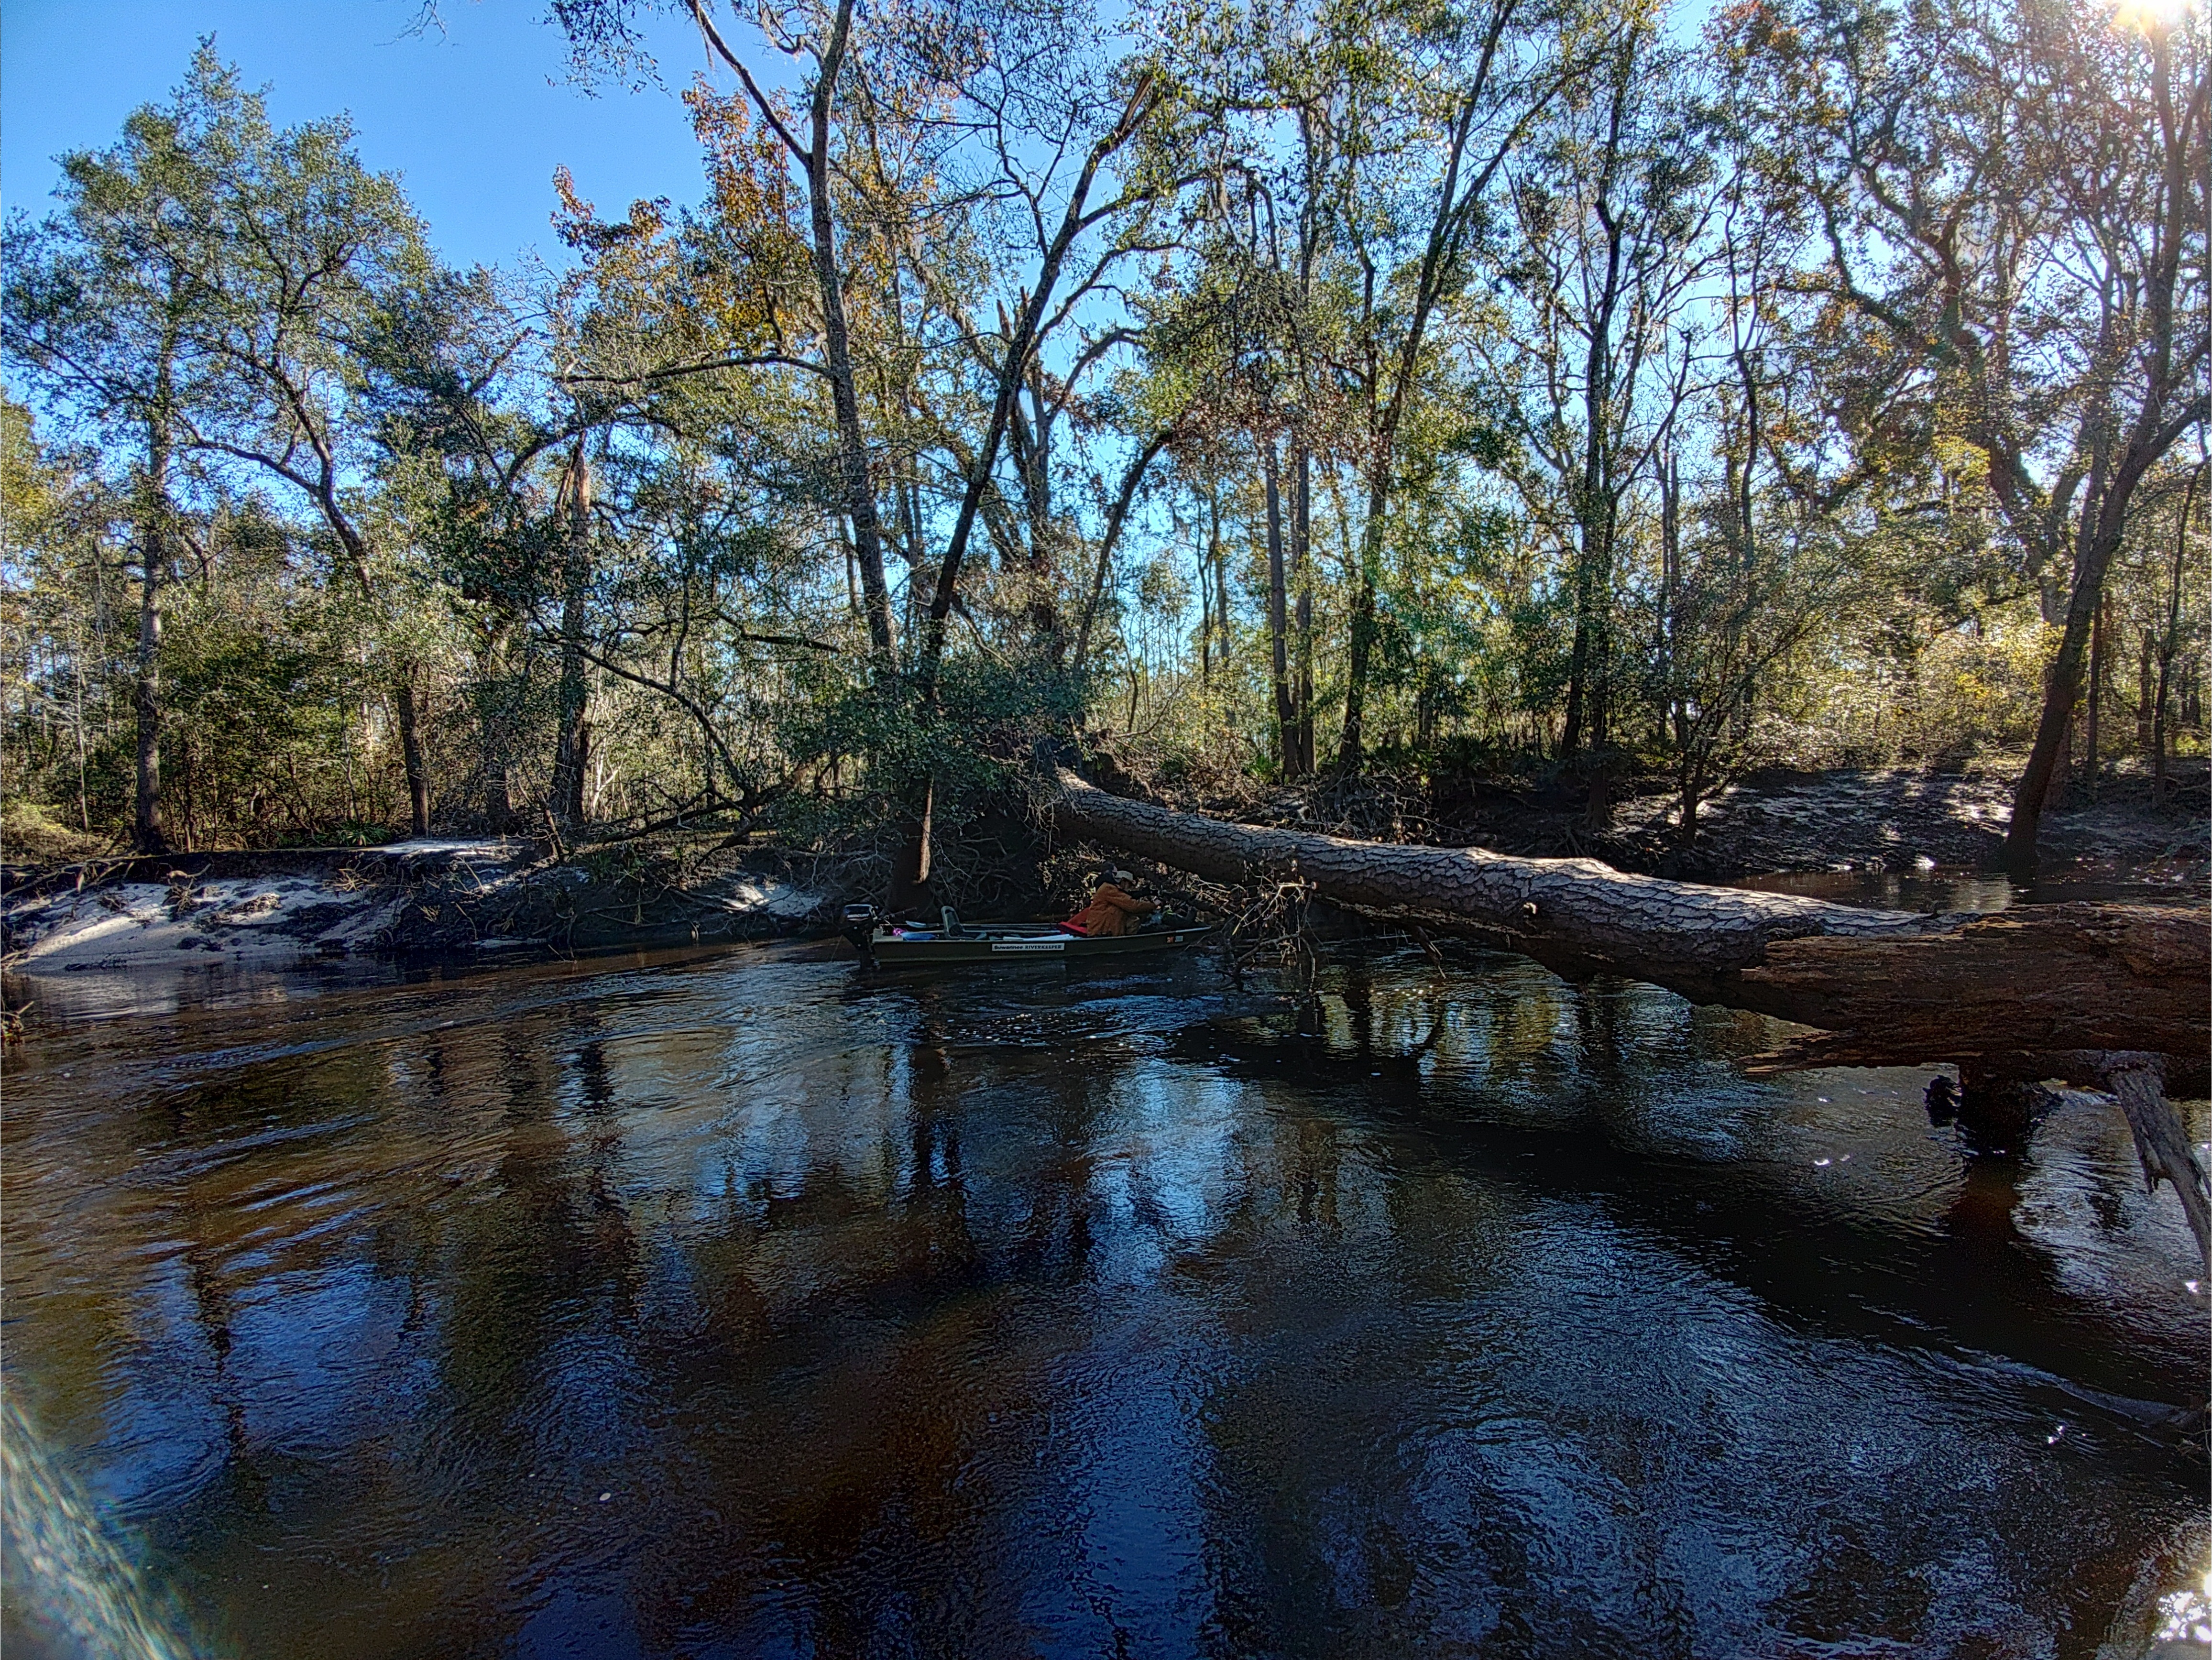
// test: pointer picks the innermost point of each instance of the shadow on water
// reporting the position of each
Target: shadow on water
(1952, 888)
(741, 1305)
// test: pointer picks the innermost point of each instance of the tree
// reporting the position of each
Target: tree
(1503, 76)
(1612, 216)
(104, 309)
(927, 130)
(307, 252)
(65, 527)
(2010, 196)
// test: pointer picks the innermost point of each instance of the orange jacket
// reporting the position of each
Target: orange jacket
(1111, 911)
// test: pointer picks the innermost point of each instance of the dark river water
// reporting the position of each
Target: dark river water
(735, 1304)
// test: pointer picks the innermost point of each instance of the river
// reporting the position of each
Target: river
(737, 1303)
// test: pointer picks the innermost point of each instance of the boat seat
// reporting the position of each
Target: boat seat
(952, 922)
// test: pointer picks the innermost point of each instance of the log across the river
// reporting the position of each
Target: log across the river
(2033, 990)
(2118, 996)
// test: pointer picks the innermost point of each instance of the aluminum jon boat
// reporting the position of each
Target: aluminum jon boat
(900, 944)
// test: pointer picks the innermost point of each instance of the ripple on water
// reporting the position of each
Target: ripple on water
(742, 1305)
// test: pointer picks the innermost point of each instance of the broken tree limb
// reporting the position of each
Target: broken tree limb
(2137, 1082)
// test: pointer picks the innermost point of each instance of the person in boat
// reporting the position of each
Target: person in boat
(1113, 910)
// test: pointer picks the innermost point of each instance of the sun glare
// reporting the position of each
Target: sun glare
(2154, 16)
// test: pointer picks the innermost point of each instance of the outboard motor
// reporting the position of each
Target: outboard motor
(860, 925)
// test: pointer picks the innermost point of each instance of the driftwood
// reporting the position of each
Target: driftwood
(2119, 997)
(2137, 1083)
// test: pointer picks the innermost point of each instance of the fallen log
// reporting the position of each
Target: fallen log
(1573, 914)
(2137, 1083)
(1885, 986)
(2048, 991)
(1999, 993)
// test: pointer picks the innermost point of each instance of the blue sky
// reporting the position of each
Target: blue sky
(475, 118)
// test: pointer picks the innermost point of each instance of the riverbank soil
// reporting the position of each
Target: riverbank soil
(460, 895)
(1772, 821)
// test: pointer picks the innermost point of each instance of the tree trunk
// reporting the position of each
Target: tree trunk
(410, 750)
(1220, 573)
(2142, 695)
(1693, 790)
(1204, 618)
(1896, 985)
(910, 868)
(1590, 657)
(2091, 732)
(154, 564)
(1351, 747)
(568, 785)
(2062, 691)
(859, 487)
(1286, 716)
(2166, 644)
(84, 800)
(146, 824)
(1669, 471)
(1302, 574)
(2158, 729)
(2062, 774)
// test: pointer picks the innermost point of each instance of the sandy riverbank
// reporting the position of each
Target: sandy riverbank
(444, 897)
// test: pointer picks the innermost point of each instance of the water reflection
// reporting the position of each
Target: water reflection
(1963, 888)
(736, 1305)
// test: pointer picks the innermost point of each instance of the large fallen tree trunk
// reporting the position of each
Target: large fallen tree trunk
(2085, 992)
(1886, 985)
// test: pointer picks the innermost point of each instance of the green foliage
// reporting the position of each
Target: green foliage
(38, 833)
(974, 742)
(1575, 389)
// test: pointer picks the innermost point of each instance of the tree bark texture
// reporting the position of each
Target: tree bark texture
(2092, 733)
(1302, 694)
(1351, 744)
(910, 864)
(1279, 623)
(153, 565)
(2000, 992)
(1889, 988)
(146, 825)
